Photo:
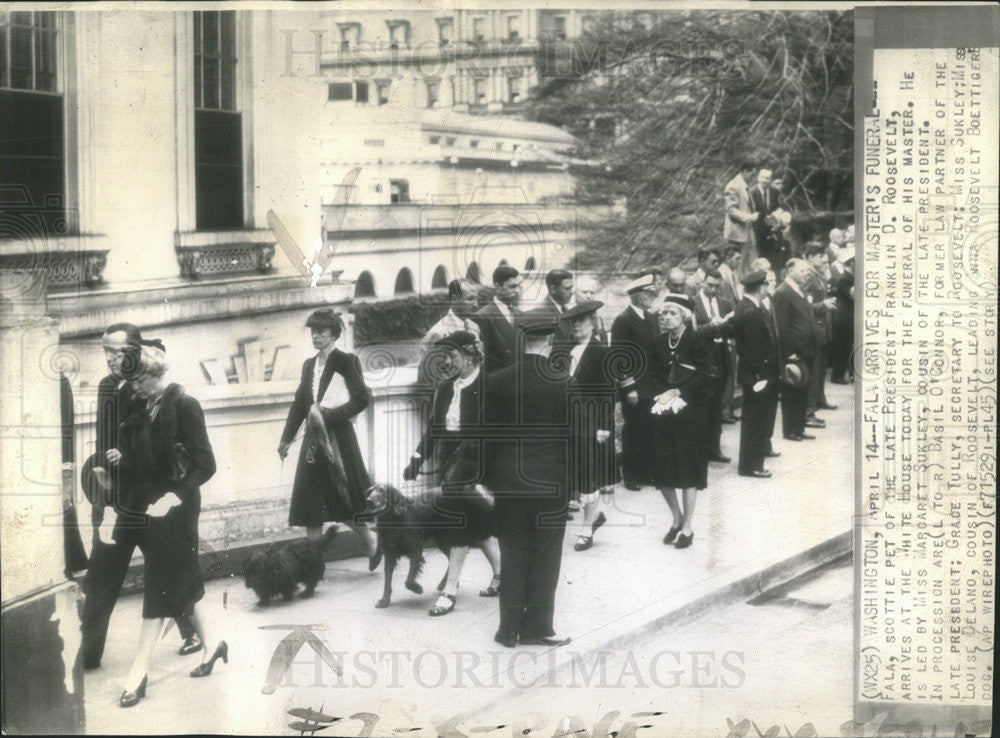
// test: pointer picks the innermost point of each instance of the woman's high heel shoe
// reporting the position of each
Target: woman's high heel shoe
(205, 668)
(131, 699)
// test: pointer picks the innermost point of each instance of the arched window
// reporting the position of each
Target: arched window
(472, 273)
(404, 282)
(365, 286)
(530, 265)
(440, 279)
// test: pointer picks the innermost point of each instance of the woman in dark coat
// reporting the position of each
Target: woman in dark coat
(682, 374)
(165, 458)
(591, 396)
(330, 479)
(464, 508)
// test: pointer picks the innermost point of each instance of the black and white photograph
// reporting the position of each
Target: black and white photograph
(502, 369)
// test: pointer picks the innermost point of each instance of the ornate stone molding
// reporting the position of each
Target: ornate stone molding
(63, 269)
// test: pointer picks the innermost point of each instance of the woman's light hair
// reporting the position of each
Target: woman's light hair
(660, 308)
(153, 362)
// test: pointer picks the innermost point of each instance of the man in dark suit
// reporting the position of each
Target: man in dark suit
(496, 319)
(711, 311)
(756, 345)
(525, 466)
(797, 341)
(818, 293)
(109, 559)
(559, 284)
(632, 334)
(764, 200)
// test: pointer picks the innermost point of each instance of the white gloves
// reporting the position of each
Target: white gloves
(668, 402)
(603, 435)
(759, 386)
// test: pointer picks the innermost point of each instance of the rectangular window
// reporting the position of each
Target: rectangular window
(350, 34)
(513, 27)
(435, 140)
(399, 191)
(218, 124)
(32, 133)
(445, 28)
(478, 29)
(382, 89)
(479, 90)
(433, 88)
(337, 91)
(513, 89)
(399, 34)
(559, 27)
(361, 95)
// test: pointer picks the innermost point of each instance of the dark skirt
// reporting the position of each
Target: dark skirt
(680, 458)
(461, 518)
(315, 500)
(592, 464)
(169, 545)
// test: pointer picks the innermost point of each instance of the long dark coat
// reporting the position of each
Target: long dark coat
(591, 394)
(166, 453)
(681, 439)
(315, 499)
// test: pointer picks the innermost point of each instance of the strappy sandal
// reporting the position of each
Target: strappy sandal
(438, 610)
(493, 590)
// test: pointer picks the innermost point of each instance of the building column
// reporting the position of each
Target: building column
(41, 674)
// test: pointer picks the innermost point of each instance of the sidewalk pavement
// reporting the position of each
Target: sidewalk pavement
(404, 669)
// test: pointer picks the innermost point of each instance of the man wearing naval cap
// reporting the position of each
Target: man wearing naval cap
(632, 335)
(525, 466)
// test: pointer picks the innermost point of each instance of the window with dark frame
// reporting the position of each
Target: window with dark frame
(445, 28)
(479, 90)
(559, 27)
(433, 89)
(513, 27)
(514, 89)
(218, 123)
(382, 90)
(399, 191)
(32, 131)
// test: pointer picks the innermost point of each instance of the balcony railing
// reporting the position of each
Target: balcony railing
(224, 253)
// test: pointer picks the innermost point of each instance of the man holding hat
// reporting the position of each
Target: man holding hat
(757, 374)
(798, 346)
(632, 334)
(525, 466)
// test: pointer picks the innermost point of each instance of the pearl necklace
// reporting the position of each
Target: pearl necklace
(671, 342)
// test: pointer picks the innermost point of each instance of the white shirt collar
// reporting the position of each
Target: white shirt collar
(791, 283)
(638, 310)
(504, 310)
(753, 298)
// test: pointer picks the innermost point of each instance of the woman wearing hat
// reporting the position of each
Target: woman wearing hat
(456, 411)
(591, 396)
(165, 458)
(682, 377)
(331, 478)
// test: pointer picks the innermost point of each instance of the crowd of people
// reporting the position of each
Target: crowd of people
(536, 417)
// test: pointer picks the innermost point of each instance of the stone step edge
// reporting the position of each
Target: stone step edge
(741, 585)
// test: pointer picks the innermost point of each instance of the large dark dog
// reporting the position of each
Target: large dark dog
(401, 526)
(280, 567)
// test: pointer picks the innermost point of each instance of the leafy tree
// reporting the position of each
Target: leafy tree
(669, 103)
